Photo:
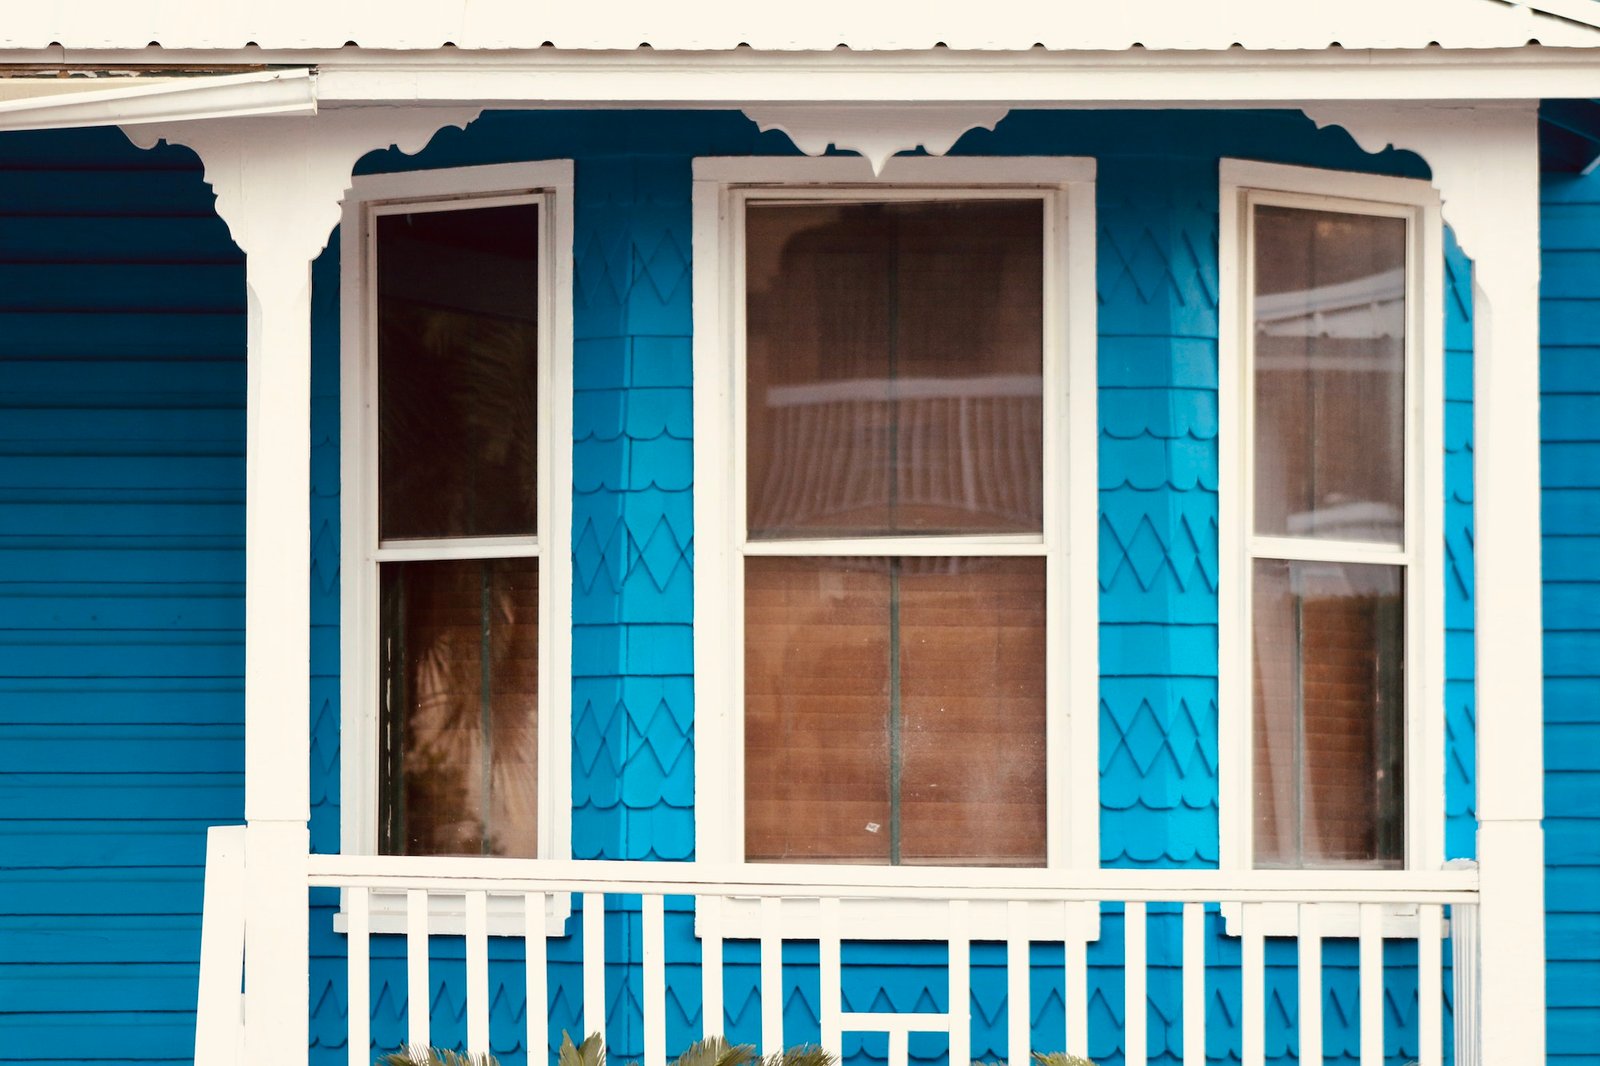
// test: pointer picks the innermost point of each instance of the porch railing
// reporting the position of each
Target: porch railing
(955, 907)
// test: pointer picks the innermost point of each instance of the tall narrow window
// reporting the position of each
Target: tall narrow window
(450, 566)
(1329, 545)
(894, 700)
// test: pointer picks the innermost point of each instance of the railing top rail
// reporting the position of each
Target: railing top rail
(469, 874)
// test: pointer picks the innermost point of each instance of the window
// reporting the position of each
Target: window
(455, 511)
(1331, 603)
(888, 432)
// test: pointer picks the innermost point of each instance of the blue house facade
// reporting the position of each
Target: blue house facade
(159, 475)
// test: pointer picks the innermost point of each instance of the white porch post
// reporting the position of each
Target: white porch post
(1485, 163)
(278, 183)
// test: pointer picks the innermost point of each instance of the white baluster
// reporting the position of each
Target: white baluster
(1076, 977)
(960, 970)
(477, 973)
(594, 964)
(771, 975)
(1135, 1004)
(1310, 985)
(358, 975)
(1430, 986)
(1371, 984)
(708, 914)
(831, 980)
(1253, 977)
(1194, 984)
(419, 998)
(1018, 1013)
(538, 1011)
(654, 951)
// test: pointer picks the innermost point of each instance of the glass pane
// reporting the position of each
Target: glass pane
(457, 371)
(1329, 714)
(894, 357)
(895, 711)
(459, 734)
(1330, 319)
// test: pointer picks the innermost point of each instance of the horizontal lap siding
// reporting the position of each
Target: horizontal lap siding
(121, 599)
(1570, 429)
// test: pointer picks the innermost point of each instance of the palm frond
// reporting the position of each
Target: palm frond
(422, 1055)
(801, 1055)
(592, 1052)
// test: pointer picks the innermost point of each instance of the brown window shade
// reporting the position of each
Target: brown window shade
(459, 723)
(1329, 756)
(1330, 320)
(895, 710)
(894, 353)
(457, 358)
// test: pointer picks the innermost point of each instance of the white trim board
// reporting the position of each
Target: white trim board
(548, 184)
(1065, 186)
(1244, 183)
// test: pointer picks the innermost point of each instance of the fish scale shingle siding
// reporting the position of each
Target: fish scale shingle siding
(1570, 424)
(121, 589)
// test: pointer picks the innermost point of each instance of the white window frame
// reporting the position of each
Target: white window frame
(1065, 186)
(548, 185)
(1245, 184)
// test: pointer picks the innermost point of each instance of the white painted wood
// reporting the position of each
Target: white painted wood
(1371, 952)
(594, 964)
(548, 184)
(358, 979)
(1466, 960)
(1135, 1003)
(1019, 1013)
(477, 946)
(874, 131)
(457, 874)
(653, 959)
(1076, 992)
(219, 1009)
(537, 1013)
(716, 25)
(134, 101)
(1253, 995)
(899, 1047)
(708, 918)
(830, 979)
(959, 969)
(771, 976)
(1064, 186)
(1310, 959)
(419, 992)
(1430, 987)
(1194, 984)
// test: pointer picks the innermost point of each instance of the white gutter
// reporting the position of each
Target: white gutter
(137, 101)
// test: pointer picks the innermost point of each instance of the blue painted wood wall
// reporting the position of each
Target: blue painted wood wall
(120, 564)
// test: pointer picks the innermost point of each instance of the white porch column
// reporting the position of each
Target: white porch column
(278, 183)
(1485, 163)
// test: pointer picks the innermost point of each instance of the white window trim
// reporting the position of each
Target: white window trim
(1243, 184)
(549, 184)
(1071, 501)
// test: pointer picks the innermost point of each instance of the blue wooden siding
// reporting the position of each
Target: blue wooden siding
(121, 589)
(1570, 326)
(120, 522)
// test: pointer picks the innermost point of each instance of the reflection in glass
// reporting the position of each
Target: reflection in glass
(457, 360)
(894, 359)
(459, 719)
(895, 710)
(1330, 320)
(1330, 712)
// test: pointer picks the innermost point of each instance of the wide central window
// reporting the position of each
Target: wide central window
(895, 452)
(894, 703)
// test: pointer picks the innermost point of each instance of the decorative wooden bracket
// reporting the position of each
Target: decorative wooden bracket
(877, 131)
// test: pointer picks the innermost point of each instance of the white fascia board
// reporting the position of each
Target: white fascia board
(473, 25)
(137, 101)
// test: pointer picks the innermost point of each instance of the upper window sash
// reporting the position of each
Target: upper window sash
(547, 186)
(1246, 186)
(723, 189)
